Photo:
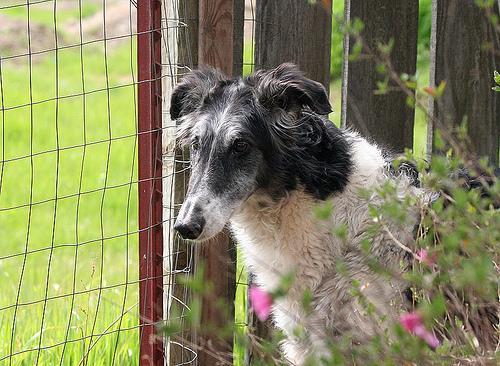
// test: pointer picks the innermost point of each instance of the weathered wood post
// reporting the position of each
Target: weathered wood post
(296, 31)
(386, 118)
(465, 52)
(197, 32)
(220, 45)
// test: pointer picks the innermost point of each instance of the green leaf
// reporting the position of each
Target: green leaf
(381, 69)
(461, 198)
(438, 140)
(411, 84)
(193, 316)
(437, 307)
(286, 281)
(410, 101)
(324, 211)
(358, 26)
(387, 47)
(475, 272)
(307, 298)
(382, 87)
(439, 166)
(440, 89)
(170, 328)
(496, 88)
(340, 231)
(356, 51)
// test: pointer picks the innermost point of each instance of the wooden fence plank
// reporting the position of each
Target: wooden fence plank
(386, 118)
(467, 51)
(294, 31)
(221, 46)
(221, 35)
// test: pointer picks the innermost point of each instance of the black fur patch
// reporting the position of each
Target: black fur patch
(193, 88)
(287, 88)
(313, 154)
(408, 169)
(321, 159)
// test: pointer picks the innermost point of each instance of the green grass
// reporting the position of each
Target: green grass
(240, 311)
(43, 13)
(61, 166)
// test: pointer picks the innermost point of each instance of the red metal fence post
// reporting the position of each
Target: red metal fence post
(150, 183)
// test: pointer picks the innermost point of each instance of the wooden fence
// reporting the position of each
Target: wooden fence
(465, 49)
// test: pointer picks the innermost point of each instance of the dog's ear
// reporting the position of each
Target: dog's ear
(188, 95)
(287, 88)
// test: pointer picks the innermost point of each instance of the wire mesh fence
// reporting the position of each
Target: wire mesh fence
(69, 178)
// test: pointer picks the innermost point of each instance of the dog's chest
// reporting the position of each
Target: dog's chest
(268, 262)
(282, 241)
(266, 252)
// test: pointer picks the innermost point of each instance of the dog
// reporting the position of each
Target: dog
(263, 156)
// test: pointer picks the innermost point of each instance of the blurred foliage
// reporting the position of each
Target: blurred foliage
(496, 77)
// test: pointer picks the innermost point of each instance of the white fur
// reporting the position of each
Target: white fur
(278, 238)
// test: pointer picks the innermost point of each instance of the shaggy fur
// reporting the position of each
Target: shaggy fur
(264, 155)
(284, 237)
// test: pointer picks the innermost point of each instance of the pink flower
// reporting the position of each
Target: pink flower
(413, 323)
(410, 321)
(424, 257)
(430, 90)
(261, 302)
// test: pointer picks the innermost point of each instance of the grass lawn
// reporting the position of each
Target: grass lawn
(82, 151)
(43, 13)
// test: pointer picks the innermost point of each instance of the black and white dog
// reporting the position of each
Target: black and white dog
(264, 155)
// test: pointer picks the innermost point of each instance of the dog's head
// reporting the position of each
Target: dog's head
(240, 133)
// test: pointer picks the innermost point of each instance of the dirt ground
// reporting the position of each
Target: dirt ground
(119, 19)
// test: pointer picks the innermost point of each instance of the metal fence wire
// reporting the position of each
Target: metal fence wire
(70, 229)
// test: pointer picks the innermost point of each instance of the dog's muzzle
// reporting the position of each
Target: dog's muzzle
(190, 221)
(191, 229)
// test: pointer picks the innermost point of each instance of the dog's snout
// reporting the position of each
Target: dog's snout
(189, 230)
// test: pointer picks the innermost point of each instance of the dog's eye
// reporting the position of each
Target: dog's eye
(195, 145)
(240, 146)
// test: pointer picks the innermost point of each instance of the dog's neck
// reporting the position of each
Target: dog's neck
(274, 214)
(275, 235)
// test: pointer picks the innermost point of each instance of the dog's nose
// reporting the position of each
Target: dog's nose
(191, 230)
